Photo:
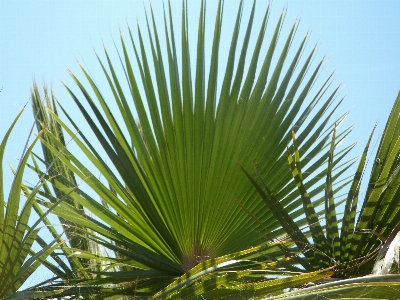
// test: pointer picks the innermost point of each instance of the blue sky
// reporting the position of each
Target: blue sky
(42, 39)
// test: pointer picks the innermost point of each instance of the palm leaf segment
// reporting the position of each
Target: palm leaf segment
(171, 176)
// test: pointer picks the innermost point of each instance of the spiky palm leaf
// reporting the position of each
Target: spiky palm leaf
(170, 177)
(380, 210)
(320, 238)
(55, 170)
(359, 247)
(17, 258)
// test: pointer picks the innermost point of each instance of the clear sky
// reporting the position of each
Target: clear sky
(42, 39)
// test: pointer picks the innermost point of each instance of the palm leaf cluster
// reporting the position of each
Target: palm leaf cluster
(202, 180)
(172, 194)
(361, 241)
(360, 246)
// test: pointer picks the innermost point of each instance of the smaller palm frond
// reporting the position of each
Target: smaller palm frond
(57, 171)
(377, 222)
(358, 246)
(18, 260)
(319, 240)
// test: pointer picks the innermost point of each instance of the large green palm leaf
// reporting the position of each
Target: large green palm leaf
(173, 193)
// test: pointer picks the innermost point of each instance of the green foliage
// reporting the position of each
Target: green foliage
(364, 287)
(172, 204)
(169, 208)
(380, 212)
(57, 171)
(17, 258)
(361, 245)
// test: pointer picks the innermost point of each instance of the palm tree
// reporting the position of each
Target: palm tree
(172, 207)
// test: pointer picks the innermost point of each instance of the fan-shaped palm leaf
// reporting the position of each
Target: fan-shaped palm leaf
(170, 177)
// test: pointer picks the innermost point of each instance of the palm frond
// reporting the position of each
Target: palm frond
(17, 258)
(164, 159)
(361, 244)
